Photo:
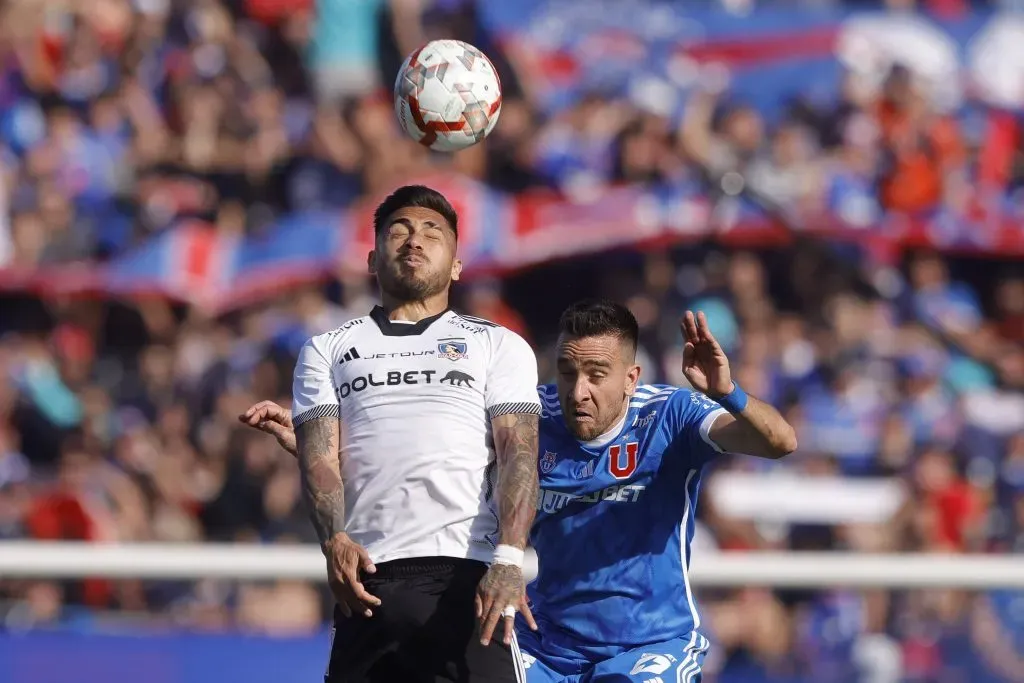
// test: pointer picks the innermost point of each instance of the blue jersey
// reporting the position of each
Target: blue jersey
(615, 519)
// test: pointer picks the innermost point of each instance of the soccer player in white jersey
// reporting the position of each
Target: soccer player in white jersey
(416, 433)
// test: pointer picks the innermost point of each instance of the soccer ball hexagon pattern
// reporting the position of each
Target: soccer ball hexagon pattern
(447, 95)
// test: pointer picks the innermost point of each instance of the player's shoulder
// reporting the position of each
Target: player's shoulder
(478, 326)
(488, 332)
(665, 399)
(477, 320)
(549, 405)
(333, 341)
(646, 395)
(552, 425)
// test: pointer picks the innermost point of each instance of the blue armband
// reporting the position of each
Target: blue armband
(735, 401)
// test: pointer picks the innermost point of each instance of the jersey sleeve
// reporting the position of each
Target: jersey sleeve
(512, 378)
(313, 385)
(691, 416)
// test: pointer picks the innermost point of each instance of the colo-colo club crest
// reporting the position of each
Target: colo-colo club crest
(452, 349)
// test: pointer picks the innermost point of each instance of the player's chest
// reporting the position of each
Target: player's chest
(409, 366)
(574, 477)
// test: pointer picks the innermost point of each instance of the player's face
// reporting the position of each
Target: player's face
(596, 377)
(415, 255)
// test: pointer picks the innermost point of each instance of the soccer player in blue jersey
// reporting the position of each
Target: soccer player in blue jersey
(619, 466)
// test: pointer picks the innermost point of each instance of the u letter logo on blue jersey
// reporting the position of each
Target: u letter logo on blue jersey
(619, 469)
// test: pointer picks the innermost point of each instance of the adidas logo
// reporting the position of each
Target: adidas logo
(351, 354)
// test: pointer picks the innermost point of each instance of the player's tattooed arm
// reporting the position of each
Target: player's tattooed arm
(317, 443)
(503, 586)
(515, 442)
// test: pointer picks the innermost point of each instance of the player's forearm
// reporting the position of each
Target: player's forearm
(515, 441)
(758, 429)
(320, 467)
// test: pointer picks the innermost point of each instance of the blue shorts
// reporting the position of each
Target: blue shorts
(550, 659)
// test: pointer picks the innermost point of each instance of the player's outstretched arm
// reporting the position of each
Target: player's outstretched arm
(516, 438)
(318, 443)
(514, 409)
(758, 429)
(270, 418)
(752, 427)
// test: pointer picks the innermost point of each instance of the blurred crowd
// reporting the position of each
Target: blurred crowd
(118, 420)
(131, 117)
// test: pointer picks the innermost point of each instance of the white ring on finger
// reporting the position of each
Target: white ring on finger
(509, 611)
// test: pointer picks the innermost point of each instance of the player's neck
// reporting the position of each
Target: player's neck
(414, 311)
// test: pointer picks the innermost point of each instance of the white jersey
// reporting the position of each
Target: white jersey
(415, 403)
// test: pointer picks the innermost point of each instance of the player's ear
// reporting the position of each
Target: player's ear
(371, 262)
(632, 379)
(456, 269)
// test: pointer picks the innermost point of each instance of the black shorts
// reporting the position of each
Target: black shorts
(425, 630)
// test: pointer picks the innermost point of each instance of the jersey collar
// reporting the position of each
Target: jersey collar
(390, 329)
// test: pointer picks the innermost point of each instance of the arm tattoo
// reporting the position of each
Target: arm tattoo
(320, 466)
(515, 440)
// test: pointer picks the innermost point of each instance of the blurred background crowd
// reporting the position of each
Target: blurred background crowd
(902, 368)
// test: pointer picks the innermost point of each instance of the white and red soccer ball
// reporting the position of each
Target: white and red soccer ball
(447, 95)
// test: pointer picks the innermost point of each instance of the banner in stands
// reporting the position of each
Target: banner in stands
(498, 233)
(630, 49)
(611, 46)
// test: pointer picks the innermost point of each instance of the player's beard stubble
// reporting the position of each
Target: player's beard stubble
(404, 282)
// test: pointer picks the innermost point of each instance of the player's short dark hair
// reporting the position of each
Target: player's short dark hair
(597, 317)
(415, 195)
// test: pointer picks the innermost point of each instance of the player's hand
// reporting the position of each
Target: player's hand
(271, 418)
(346, 561)
(705, 364)
(502, 586)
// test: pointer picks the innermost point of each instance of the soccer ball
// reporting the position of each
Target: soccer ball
(447, 95)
